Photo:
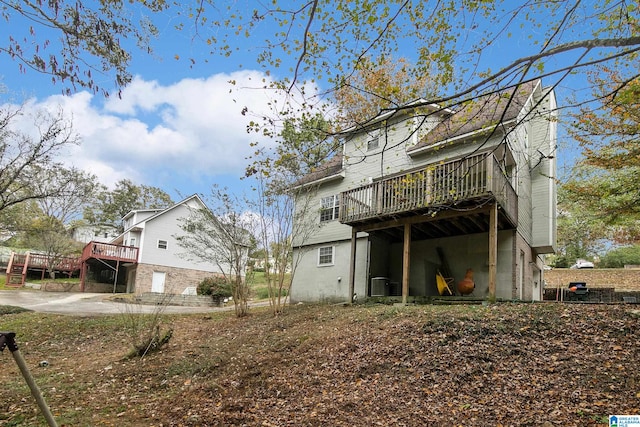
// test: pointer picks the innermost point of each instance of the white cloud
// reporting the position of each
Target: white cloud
(181, 137)
(190, 131)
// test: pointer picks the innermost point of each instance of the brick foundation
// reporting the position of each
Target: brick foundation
(176, 279)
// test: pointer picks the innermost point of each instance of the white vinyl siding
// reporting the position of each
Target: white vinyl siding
(543, 189)
(166, 227)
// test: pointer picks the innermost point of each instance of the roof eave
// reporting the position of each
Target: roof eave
(385, 114)
(336, 176)
(439, 144)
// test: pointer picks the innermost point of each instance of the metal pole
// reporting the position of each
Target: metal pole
(8, 339)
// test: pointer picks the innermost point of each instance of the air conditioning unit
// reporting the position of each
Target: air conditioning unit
(379, 286)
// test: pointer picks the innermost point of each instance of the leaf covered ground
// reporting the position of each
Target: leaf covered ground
(496, 365)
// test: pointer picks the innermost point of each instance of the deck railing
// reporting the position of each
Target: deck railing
(435, 184)
(42, 261)
(110, 251)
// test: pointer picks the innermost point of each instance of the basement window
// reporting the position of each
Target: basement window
(325, 255)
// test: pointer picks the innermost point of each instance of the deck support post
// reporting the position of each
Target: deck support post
(352, 265)
(493, 250)
(406, 254)
(83, 275)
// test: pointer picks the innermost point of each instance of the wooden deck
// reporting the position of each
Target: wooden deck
(476, 178)
(107, 251)
(20, 264)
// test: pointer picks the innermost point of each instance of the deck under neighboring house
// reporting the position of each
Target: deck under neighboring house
(105, 261)
(20, 266)
(103, 258)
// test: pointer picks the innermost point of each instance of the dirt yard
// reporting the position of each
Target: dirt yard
(497, 365)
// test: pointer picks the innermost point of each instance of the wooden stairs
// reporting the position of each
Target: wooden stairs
(20, 264)
(16, 273)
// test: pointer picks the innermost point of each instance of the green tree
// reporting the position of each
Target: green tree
(377, 85)
(581, 232)
(27, 157)
(15, 221)
(329, 39)
(112, 205)
(76, 191)
(47, 235)
(619, 257)
(73, 41)
(605, 180)
(221, 235)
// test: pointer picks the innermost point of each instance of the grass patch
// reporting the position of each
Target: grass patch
(69, 280)
(10, 309)
(259, 287)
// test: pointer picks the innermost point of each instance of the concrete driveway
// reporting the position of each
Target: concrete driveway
(86, 303)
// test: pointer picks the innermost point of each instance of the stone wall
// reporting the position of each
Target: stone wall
(183, 300)
(75, 287)
(621, 279)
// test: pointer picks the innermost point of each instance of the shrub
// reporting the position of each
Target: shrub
(619, 257)
(217, 287)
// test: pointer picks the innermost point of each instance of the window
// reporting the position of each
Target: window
(325, 255)
(329, 208)
(133, 242)
(373, 141)
(162, 244)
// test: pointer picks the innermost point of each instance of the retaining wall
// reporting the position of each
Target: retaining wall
(621, 279)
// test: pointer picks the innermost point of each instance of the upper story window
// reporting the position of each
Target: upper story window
(373, 140)
(162, 244)
(329, 208)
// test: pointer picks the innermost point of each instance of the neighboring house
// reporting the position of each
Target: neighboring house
(146, 257)
(424, 190)
(94, 233)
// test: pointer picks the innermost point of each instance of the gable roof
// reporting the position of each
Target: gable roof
(403, 110)
(158, 212)
(180, 203)
(137, 211)
(330, 168)
(484, 112)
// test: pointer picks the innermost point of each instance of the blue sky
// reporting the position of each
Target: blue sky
(179, 127)
(176, 127)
